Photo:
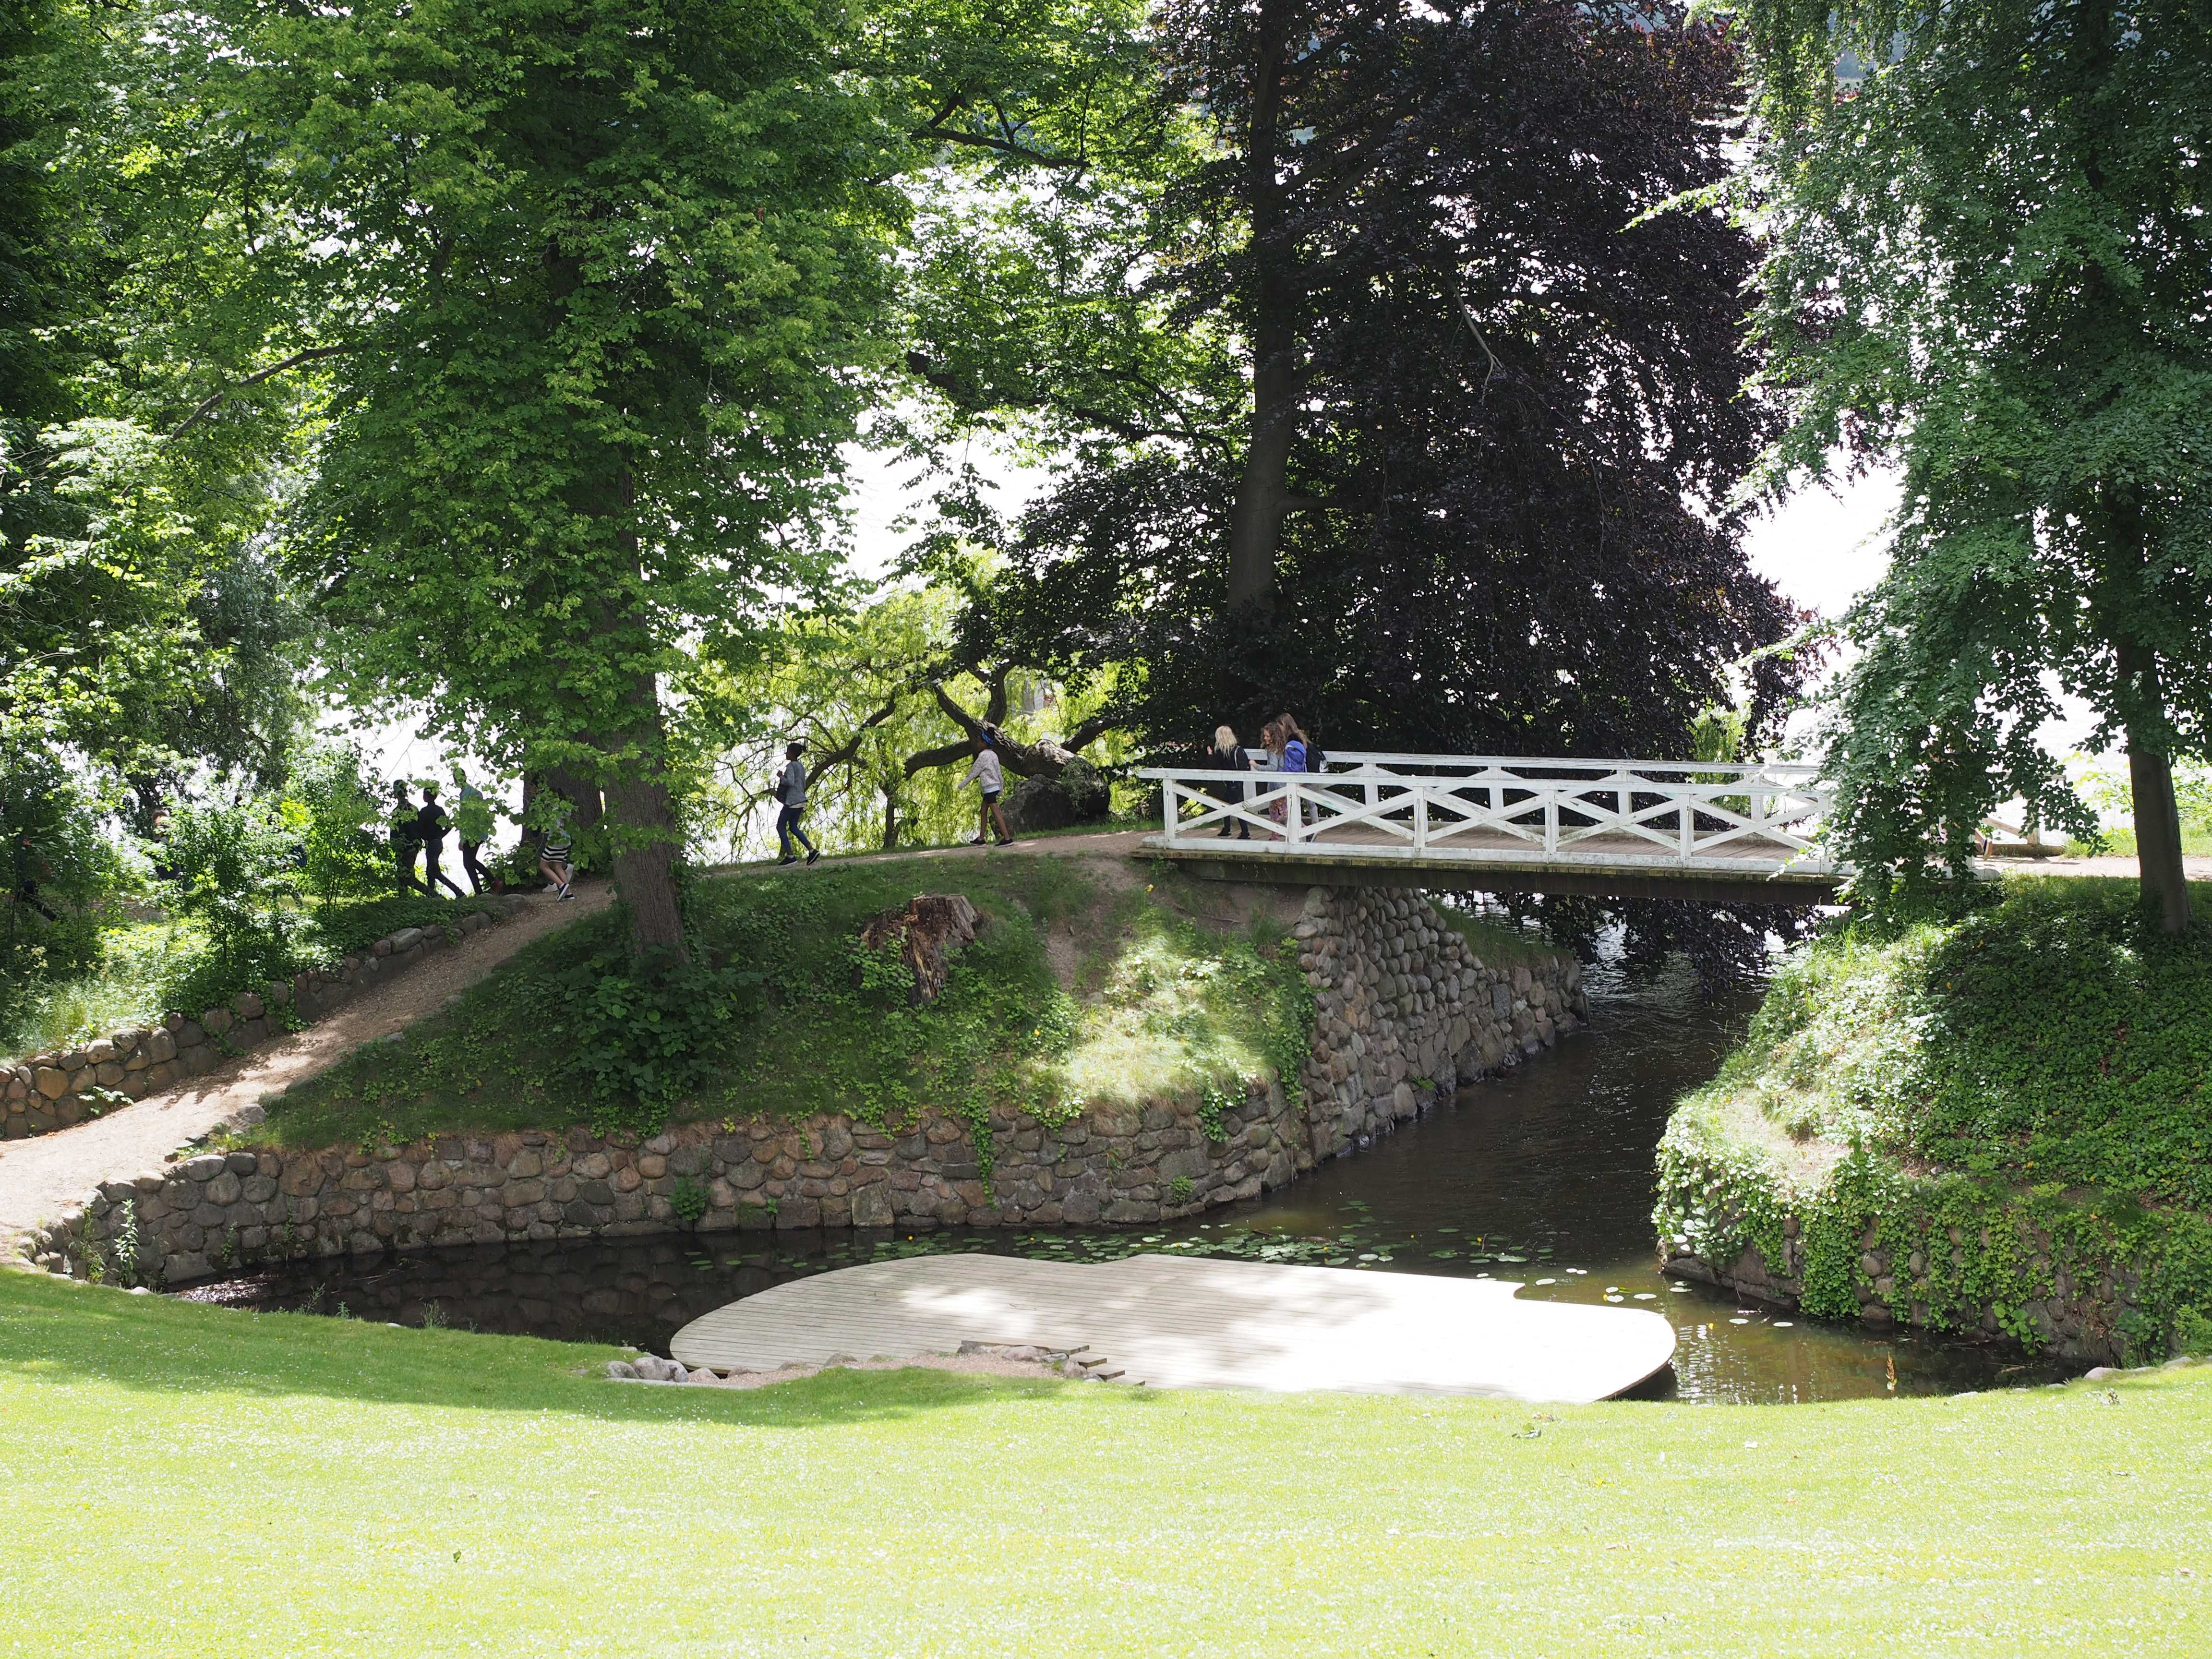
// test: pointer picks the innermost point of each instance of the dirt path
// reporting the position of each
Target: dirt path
(2197, 869)
(43, 1177)
(1115, 845)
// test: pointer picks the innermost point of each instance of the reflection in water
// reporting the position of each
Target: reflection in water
(1546, 1177)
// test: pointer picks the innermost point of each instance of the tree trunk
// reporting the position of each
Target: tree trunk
(2158, 834)
(1263, 490)
(891, 819)
(641, 827)
(2150, 782)
(640, 822)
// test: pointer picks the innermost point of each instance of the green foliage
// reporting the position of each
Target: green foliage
(644, 1032)
(689, 1200)
(233, 873)
(55, 870)
(337, 814)
(2002, 1100)
(2010, 306)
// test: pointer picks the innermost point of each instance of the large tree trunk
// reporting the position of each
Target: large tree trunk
(640, 823)
(1263, 491)
(2158, 835)
(2150, 780)
(642, 826)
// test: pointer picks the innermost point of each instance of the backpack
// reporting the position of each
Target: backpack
(1315, 761)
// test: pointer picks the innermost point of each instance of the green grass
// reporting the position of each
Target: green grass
(2032, 1075)
(2121, 843)
(815, 1028)
(211, 1482)
(1494, 943)
(147, 968)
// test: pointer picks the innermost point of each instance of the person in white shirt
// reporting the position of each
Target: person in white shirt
(984, 769)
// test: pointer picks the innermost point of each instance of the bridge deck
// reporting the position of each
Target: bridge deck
(1176, 1322)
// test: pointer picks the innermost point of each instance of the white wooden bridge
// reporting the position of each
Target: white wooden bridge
(1703, 829)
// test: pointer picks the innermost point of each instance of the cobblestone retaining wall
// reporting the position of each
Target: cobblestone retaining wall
(2080, 1319)
(41, 1093)
(1405, 1010)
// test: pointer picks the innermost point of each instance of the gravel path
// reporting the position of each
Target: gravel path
(2197, 869)
(42, 1177)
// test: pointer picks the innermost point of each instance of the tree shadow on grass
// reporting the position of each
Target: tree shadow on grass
(55, 1331)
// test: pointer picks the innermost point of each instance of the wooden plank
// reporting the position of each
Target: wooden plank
(1173, 1321)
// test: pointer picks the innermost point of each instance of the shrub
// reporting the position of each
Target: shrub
(645, 1031)
(55, 870)
(337, 815)
(233, 870)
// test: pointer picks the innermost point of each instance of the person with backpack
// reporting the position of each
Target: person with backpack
(1227, 755)
(791, 801)
(406, 835)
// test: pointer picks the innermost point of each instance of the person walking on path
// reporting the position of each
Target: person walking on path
(406, 831)
(553, 844)
(791, 798)
(431, 824)
(473, 824)
(1227, 755)
(985, 770)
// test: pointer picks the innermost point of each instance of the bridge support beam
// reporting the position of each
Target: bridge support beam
(1599, 881)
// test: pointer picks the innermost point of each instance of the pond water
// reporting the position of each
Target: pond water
(1545, 1177)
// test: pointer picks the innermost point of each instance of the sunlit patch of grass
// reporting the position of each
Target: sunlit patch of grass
(1181, 1008)
(1494, 943)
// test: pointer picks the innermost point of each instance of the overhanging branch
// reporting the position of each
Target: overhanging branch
(214, 399)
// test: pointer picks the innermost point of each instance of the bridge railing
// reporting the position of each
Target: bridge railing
(1494, 808)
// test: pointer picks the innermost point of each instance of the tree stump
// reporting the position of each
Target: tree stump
(927, 932)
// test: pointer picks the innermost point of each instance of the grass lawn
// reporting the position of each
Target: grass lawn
(198, 1480)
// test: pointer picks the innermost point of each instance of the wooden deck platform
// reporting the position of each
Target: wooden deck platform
(1174, 1321)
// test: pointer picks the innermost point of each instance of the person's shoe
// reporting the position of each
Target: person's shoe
(979, 841)
(788, 858)
(813, 854)
(1004, 841)
(566, 895)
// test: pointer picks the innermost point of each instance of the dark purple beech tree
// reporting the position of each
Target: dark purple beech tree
(1483, 415)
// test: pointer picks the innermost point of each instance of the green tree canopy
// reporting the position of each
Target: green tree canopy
(1989, 261)
(1385, 399)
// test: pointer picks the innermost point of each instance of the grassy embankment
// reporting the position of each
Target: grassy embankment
(2005, 1096)
(145, 969)
(211, 1482)
(1083, 985)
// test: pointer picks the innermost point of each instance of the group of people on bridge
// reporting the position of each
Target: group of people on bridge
(1288, 750)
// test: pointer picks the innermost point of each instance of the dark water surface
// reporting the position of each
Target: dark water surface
(1545, 1177)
